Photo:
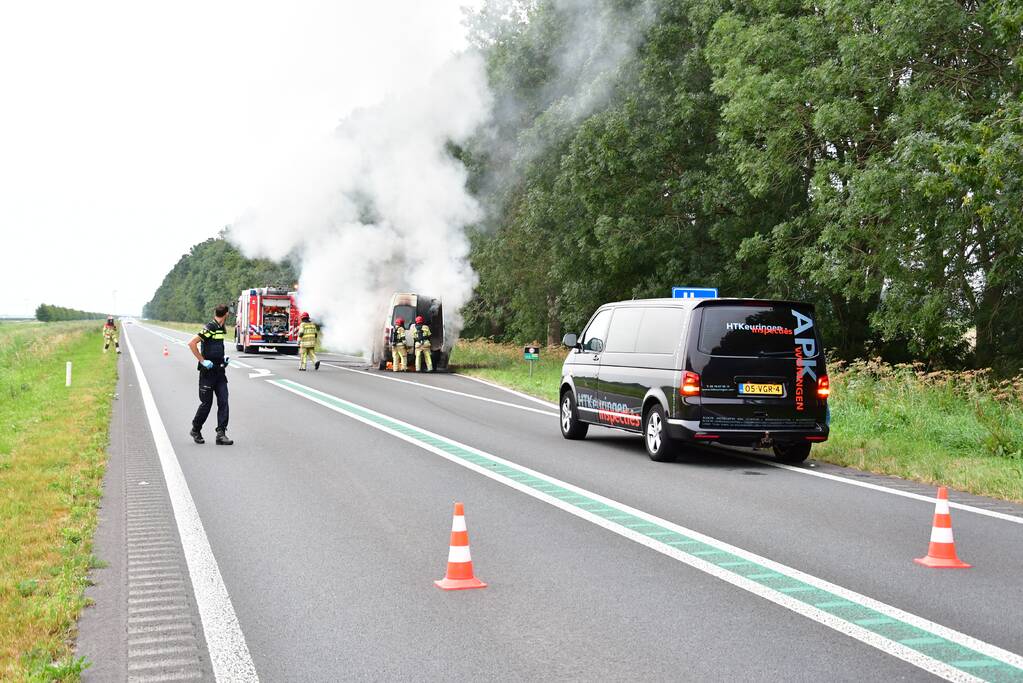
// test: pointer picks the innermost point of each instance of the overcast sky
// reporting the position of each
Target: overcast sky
(129, 131)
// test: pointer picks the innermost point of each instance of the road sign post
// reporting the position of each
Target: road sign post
(694, 292)
(531, 354)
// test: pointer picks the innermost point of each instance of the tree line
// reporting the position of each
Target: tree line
(864, 155)
(49, 313)
(211, 273)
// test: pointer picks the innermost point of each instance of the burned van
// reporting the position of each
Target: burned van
(743, 372)
(407, 307)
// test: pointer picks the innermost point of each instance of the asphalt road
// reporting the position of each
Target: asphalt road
(328, 521)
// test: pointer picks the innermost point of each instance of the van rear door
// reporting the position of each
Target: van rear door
(759, 363)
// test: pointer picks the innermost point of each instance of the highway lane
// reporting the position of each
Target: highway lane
(328, 531)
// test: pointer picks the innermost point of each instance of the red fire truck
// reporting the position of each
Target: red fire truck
(266, 317)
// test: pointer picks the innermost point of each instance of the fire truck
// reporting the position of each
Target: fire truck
(266, 317)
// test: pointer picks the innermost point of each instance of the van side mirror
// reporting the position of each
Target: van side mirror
(570, 340)
(231, 309)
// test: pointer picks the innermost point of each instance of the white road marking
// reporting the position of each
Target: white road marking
(260, 372)
(444, 390)
(875, 487)
(802, 470)
(735, 454)
(510, 391)
(890, 647)
(225, 642)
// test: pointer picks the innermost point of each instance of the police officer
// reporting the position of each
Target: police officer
(421, 339)
(110, 335)
(308, 333)
(399, 358)
(212, 376)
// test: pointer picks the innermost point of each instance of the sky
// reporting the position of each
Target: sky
(130, 131)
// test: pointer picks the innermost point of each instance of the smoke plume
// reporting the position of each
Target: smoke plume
(380, 207)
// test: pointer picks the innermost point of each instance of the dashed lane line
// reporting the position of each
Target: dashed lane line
(930, 646)
(445, 390)
(229, 654)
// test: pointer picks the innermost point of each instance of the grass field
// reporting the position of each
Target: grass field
(52, 456)
(962, 429)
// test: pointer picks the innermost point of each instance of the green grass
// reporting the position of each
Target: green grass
(503, 363)
(963, 430)
(52, 457)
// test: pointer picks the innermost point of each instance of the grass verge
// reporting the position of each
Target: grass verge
(960, 429)
(53, 443)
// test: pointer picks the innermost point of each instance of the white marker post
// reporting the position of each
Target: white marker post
(67, 376)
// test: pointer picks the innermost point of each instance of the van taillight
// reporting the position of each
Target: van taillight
(690, 384)
(823, 387)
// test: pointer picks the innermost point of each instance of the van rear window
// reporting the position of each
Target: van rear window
(750, 330)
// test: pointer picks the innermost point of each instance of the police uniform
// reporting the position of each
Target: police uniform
(421, 338)
(308, 333)
(110, 337)
(399, 358)
(212, 382)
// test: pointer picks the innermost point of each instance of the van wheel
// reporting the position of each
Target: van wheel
(571, 426)
(659, 445)
(792, 452)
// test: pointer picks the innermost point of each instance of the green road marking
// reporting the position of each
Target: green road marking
(931, 645)
(840, 603)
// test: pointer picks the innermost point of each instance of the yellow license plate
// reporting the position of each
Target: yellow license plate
(760, 389)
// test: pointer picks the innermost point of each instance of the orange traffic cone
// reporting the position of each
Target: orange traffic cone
(942, 552)
(459, 575)
(165, 351)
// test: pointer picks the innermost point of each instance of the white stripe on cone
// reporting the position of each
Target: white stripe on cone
(458, 523)
(941, 507)
(941, 535)
(459, 553)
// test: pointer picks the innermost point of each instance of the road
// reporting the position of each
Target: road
(311, 547)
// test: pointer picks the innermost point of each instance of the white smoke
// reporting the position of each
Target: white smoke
(380, 207)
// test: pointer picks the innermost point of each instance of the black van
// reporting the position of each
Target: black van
(743, 372)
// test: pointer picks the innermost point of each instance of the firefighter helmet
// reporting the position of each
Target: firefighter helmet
(399, 321)
(305, 316)
(419, 320)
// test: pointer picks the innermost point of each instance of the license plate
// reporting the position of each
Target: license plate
(760, 389)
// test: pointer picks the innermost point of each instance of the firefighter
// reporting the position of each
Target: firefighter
(212, 376)
(308, 334)
(110, 335)
(421, 343)
(399, 352)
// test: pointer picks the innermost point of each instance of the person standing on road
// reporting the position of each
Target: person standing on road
(308, 334)
(212, 376)
(399, 357)
(110, 335)
(421, 339)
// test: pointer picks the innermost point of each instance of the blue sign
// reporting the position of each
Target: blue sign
(694, 292)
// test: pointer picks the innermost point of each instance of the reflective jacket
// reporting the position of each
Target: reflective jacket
(307, 334)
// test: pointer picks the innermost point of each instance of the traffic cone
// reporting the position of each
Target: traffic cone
(165, 351)
(941, 554)
(459, 575)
